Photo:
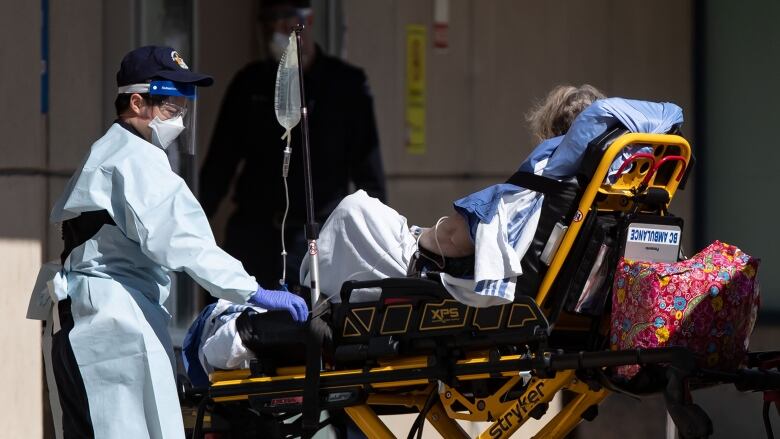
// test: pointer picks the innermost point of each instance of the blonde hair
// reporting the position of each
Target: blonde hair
(553, 116)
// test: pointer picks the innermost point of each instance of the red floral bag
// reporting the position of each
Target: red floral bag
(707, 303)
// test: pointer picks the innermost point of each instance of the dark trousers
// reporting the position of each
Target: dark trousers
(76, 420)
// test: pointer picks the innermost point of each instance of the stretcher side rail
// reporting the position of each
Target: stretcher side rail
(430, 369)
(417, 316)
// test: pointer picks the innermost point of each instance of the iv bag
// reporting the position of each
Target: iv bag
(287, 98)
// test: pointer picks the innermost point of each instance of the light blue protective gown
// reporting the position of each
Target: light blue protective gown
(118, 280)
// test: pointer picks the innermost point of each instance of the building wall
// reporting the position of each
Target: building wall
(77, 108)
(22, 225)
(740, 95)
(80, 106)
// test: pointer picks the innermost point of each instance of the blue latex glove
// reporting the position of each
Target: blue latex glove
(281, 300)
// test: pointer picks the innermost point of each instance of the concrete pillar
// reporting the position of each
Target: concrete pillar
(22, 227)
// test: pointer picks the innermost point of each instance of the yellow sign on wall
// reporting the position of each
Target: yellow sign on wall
(415, 88)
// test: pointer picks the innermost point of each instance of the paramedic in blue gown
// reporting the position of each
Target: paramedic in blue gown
(128, 221)
(246, 145)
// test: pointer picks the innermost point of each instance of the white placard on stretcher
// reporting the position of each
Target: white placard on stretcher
(653, 242)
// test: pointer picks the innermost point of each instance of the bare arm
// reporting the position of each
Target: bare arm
(452, 235)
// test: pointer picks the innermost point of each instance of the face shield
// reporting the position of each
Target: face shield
(177, 112)
(174, 121)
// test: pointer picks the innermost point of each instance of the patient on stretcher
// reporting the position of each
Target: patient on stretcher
(364, 239)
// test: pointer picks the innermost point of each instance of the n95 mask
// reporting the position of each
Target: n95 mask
(164, 132)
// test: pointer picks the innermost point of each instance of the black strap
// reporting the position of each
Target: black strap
(73, 398)
(245, 332)
(428, 261)
(419, 421)
(310, 419)
(264, 333)
(77, 231)
(767, 421)
(537, 183)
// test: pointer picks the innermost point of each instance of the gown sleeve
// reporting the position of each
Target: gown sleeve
(160, 212)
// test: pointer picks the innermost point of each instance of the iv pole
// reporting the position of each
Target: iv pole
(310, 413)
(312, 229)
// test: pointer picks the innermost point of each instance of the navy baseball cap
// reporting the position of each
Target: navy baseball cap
(158, 62)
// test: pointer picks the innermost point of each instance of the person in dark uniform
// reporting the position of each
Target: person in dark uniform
(343, 140)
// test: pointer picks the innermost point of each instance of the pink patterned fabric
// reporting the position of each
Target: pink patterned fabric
(707, 303)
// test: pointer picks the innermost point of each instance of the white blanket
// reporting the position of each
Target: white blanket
(364, 239)
(500, 246)
(221, 346)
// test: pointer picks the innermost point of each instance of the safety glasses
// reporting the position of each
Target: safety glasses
(171, 110)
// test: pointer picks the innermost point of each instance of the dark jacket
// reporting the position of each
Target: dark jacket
(344, 149)
(343, 141)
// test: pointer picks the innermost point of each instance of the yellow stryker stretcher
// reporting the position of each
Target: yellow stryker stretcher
(417, 350)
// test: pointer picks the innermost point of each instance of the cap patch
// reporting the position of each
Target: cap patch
(178, 60)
